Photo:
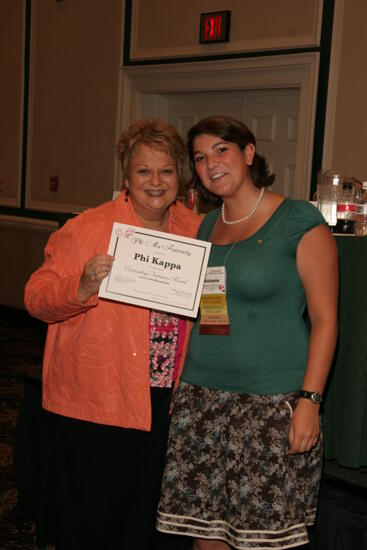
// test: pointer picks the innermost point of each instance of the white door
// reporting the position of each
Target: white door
(272, 115)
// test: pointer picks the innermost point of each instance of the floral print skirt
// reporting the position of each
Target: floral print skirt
(229, 476)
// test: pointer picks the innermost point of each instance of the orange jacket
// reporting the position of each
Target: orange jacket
(96, 360)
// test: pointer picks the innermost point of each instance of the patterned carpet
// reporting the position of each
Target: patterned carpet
(21, 348)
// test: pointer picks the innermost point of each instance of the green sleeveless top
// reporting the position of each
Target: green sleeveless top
(266, 350)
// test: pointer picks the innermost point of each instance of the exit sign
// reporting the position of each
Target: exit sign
(214, 27)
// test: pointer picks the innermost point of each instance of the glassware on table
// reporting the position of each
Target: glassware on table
(363, 192)
(361, 220)
(329, 190)
(346, 207)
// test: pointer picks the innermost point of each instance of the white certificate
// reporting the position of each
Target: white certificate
(156, 270)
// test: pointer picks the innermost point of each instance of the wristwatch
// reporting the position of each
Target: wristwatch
(313, 396)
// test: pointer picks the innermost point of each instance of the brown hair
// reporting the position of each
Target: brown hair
(155, 133)
(234, 131)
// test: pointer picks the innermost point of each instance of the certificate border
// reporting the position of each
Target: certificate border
(160, 302)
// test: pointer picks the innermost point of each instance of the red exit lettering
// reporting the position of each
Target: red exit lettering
(213, 25)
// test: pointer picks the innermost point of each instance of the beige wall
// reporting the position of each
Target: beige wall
(73, 108)
(11, 99)
(21, 253)
(75, 58)
(75, 61)
(166, 28)
(349, 139)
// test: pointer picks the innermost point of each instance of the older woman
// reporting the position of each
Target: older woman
(244, 457)
(109, 367)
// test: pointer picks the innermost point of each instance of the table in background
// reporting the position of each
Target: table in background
(345, 407)
(341, 521)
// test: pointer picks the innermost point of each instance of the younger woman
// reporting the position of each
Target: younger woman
(245, 451)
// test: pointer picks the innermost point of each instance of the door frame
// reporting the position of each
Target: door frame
(142, 84)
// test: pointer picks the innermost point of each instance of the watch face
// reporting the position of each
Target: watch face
(316, 398)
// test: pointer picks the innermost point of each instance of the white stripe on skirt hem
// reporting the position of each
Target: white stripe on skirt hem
(240, 539)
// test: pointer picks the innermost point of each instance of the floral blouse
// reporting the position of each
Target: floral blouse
(166, 334)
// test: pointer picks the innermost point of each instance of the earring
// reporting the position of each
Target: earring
(127, 191)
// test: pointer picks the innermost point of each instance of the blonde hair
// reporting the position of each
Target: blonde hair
(155, 133)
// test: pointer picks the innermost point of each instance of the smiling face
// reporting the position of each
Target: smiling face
(152, 182)
(222, 166)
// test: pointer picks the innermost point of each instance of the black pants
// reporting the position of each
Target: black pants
(105, 487)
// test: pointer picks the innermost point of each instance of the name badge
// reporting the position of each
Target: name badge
(213, 303)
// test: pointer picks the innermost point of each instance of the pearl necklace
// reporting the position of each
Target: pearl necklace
(248, 215)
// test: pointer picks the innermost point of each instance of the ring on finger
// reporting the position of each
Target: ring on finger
(93, 274)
